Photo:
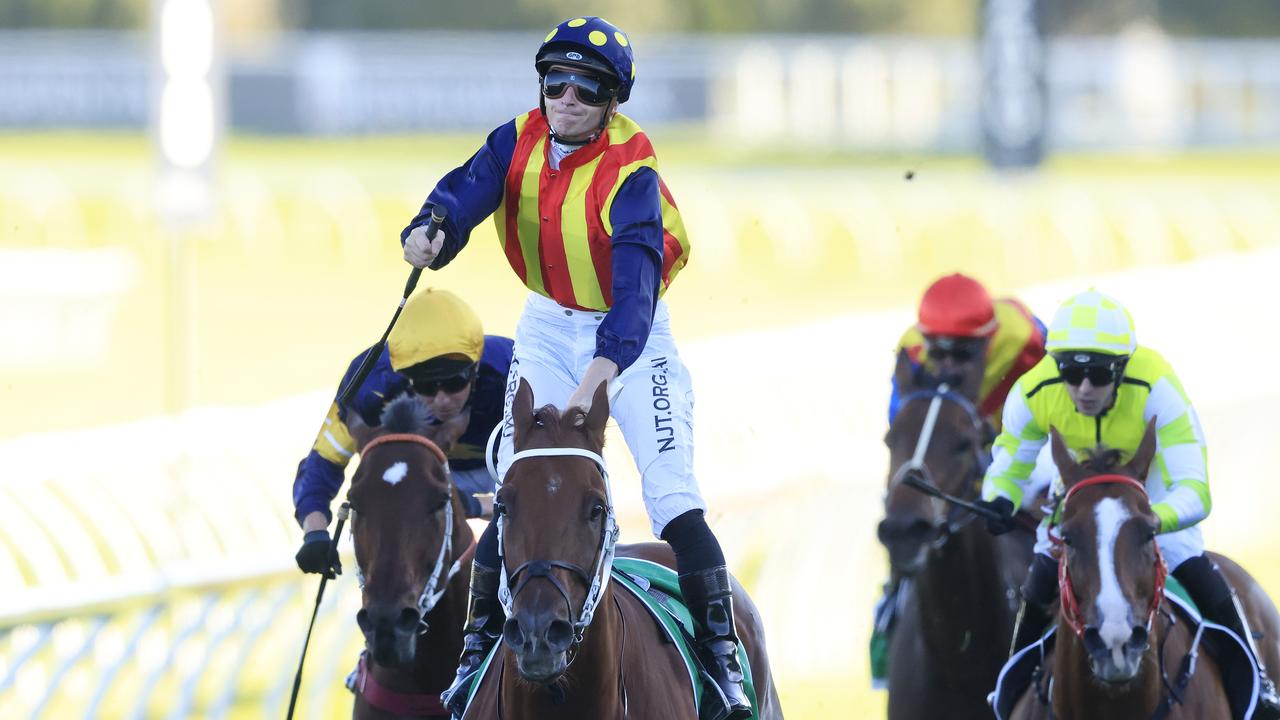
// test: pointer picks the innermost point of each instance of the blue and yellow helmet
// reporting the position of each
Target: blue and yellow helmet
(590, 43)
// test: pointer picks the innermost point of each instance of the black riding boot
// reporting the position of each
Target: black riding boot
(1217, 601)
(710, 599)
(484, 626)
(1039, 591)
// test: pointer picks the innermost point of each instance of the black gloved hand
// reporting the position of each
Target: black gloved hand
(318, 555)
(1005, 509)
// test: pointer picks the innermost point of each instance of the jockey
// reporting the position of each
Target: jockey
(590, 228)
(961, 334)
(438, 352)
(962, 331)
(1098, 386)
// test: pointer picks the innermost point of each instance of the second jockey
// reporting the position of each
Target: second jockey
(438, 352)
(965, 337)
(1097, 386)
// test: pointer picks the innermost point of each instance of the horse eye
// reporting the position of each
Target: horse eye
(1066, 540)
(499, 508)
(596, 511)
(963, 446)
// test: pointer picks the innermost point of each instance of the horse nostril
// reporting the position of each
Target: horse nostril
(362, 619)
(1138, 640)
(512, 634)
(900, 528)
(408, 620)
(559, 635)
(1093, 641)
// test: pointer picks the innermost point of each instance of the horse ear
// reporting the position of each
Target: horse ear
(599, 413)
(904, 372)
(358, 430)
(1068, 468)
(1146, 452)
(522, 413)
(446, 434)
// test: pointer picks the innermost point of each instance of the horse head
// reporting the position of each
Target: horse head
(1111, 574)
(948, 452)
(406, 524)
(556, 532)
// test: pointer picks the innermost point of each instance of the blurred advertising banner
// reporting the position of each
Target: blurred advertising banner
(1014, 93)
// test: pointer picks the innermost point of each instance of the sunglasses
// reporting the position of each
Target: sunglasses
(589, 89)
(428, 388)
(1099, 375)
(958, 353)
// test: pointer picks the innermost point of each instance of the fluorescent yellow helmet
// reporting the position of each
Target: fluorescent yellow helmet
(435, 324)
(1092, 322)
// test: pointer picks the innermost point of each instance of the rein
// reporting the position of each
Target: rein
(434, 589)
(1066, 591)
(596, 581)
(923, 481)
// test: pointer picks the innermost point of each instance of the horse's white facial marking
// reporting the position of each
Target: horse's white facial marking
(1113, 609)
(553, 484)
(396, 472)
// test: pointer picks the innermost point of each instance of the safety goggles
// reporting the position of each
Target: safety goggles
(939, 349)
(1101, 369)
(589, 89)
(451, 385)
(1099, 375)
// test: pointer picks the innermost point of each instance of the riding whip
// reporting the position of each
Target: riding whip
(337, 533)
(438, 214)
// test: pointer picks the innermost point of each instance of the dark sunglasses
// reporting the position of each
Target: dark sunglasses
(589, 89)
(958, 353)
(428, 388)
(1099, 375)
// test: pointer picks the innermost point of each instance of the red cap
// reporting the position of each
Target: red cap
(957, 306)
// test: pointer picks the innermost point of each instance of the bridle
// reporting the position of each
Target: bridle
(434, 588)
(596, 581)
(1066, 591)
(937, 396)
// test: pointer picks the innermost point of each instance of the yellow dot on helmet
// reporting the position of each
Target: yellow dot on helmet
(551, 34)
(577, 22)
(622, 39)
(598, 38)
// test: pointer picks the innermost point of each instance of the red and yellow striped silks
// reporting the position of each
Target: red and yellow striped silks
(554, 224)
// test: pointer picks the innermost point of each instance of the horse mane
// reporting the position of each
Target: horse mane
(406, 415)
(1101, 459)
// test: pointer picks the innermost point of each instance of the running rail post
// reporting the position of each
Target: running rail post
(343, 512)
(438, 214)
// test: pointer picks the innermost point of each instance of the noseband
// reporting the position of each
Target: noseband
(434, 588)
(595, 581)
(1067, 592)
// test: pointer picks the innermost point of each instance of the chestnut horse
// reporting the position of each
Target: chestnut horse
(413, 554)
(960, 584)
(1108, 532)
(575, 646)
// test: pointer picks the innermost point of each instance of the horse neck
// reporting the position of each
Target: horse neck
(961, 594)
(591, 682)
(1076, 694)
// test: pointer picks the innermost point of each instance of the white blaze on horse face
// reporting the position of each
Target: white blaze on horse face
(396, 473)
(1113, 609)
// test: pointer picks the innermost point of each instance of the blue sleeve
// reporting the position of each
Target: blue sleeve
(636, 216)
(895, 399)
(315, 486)
(470, 193)
(1044, 331)
(381, 386)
